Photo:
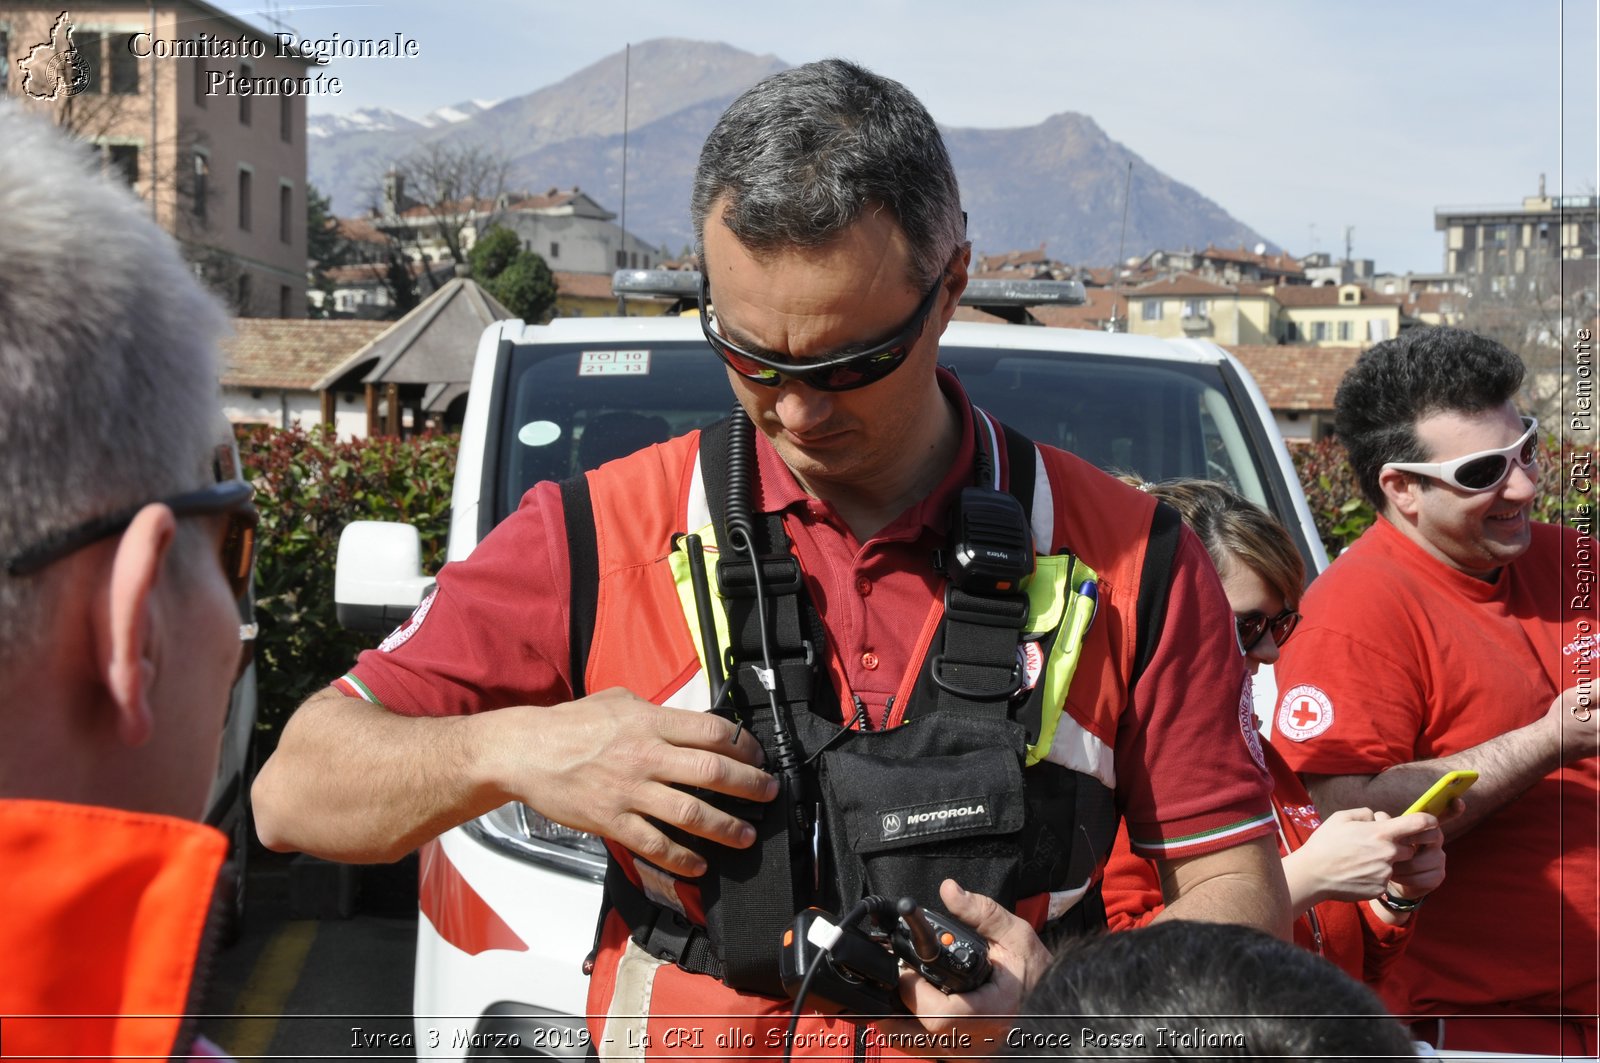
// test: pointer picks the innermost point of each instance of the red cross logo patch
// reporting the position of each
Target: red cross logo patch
(1304, 712)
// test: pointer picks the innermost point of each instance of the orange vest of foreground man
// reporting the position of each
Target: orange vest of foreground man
(103, 923)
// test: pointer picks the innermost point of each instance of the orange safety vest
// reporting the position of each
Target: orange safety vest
(103, 921)
(641, 1006)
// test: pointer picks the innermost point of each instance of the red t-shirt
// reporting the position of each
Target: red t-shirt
(1402, 658)
(495, 634)
(1348, 934)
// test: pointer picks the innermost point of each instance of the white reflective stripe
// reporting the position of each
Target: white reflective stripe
(698, 512)
(694, 694)
(628, 1013)
(1061, 903)
(1044, 506)
(1074, 747)
(659, 886)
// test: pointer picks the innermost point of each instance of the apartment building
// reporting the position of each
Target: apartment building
(1498, 242)
(202, 113)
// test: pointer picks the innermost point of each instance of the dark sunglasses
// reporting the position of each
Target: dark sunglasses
(844, 373)
(1253, 626)
(231, 498)
(1483, 470)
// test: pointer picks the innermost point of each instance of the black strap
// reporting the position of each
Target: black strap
(1155, 583)
(976, 669)
(754, 893)
(583, 560)
(1021, 463)
(660, 931)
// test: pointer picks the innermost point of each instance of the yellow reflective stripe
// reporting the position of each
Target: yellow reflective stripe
(678, 561)
(1045, 590)
(1060, 666)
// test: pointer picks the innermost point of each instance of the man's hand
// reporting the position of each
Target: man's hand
(1353, 855)
(612, 763)
(980, 1018)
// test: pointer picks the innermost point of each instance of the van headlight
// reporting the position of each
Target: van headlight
(520, 832)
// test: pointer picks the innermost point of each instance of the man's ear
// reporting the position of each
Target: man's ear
(130, 636)
(955, 282)
(1400, 491)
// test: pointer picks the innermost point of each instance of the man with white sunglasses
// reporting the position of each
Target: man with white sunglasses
(1454, 635)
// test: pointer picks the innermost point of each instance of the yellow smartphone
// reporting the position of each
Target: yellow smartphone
(1436, 800)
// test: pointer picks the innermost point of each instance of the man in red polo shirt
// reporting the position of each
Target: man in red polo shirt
(834, 252)
(1454, 634)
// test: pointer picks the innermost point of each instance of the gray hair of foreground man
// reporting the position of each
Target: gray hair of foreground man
(799, 157)
(1202, 989)
(108, 353)
(1398, 382)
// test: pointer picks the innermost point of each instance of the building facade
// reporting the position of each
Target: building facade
(202, 113)
(1498, 242)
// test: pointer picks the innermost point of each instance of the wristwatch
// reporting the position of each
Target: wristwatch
(1400, 905)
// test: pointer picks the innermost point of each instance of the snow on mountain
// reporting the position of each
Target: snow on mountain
(456, 112)
(366, 120)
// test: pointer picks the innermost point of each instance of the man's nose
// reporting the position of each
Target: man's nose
(1522, 484)
(801, 408)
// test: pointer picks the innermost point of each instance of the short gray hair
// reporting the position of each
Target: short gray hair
(108, 353)
(797, 158)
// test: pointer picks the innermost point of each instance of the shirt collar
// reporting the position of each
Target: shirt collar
(780, 490)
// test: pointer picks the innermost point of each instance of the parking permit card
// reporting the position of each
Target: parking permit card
(614, 363)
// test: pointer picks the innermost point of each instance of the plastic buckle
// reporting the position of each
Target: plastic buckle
(956, 607)
(937, 670)
(780, 574)
(668, 936)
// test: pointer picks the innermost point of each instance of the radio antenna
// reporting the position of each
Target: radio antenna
(627, 58)
(1122, 244)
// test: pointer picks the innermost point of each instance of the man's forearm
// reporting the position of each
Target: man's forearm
(354, 782)
(1243, 884)
(1507, 766)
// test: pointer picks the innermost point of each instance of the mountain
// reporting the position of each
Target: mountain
(1060, 181)
(456, 112)
(366, 120)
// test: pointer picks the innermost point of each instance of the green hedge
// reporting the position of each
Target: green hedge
(308, 487)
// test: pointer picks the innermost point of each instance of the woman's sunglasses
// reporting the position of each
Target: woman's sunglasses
(844, 373)
(1482, 471)
(1253, 626)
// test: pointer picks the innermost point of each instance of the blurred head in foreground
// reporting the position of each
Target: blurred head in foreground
(124, 542)
(1215, 990)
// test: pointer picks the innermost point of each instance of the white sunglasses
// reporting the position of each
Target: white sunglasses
(1482, 471)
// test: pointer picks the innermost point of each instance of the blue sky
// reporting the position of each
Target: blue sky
(1298, 118)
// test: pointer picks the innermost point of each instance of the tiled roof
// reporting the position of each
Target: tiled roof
(373, 272)
(359, 231)
(1189, 284)
(290, 353)
(583, 285)
(1436, 302)
(1296, 376)
(1298, 295)
(1013, 259)
(1092, 314)
(1277, 263)
(544, 201)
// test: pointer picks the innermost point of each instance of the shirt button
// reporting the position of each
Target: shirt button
(869, 661)
(863, 586)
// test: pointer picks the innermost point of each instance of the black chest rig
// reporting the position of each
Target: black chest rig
(943, 795)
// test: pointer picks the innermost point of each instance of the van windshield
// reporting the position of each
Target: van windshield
(568, 408)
